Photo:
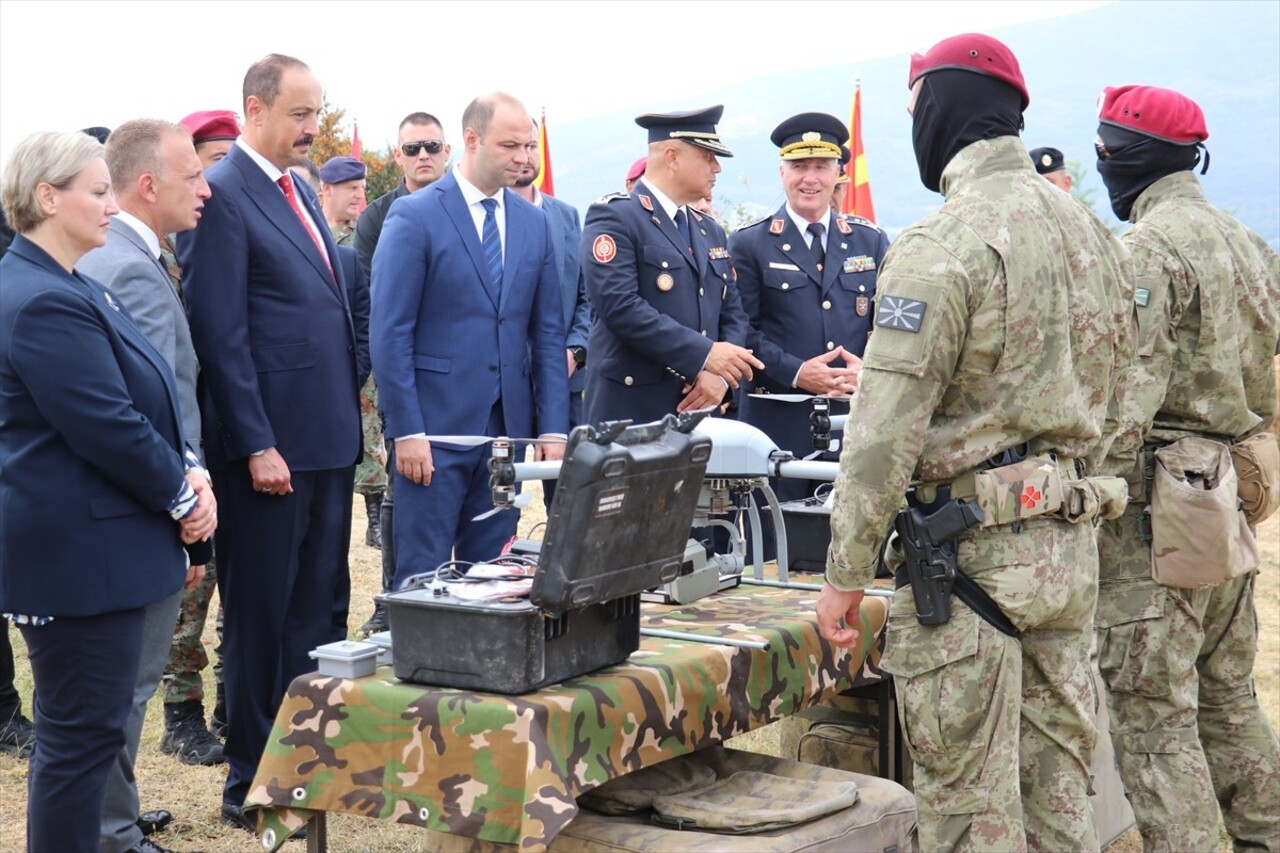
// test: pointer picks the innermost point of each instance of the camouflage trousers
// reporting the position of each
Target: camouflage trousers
(1188, 732)
(976, 704)
(371, 473)
(182, 681)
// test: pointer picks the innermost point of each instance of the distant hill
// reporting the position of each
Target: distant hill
(1225, 55)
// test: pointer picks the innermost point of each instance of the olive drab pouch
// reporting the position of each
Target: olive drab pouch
(1257, 463)
(1199, 536)
(1094, 497)
(635, 792)
(752, 801)
(1022, 490)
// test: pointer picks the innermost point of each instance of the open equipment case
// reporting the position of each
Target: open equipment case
(618, 525)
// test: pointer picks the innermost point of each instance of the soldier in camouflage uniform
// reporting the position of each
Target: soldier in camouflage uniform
(1178, 663)
(342, 182)
(1002, 321)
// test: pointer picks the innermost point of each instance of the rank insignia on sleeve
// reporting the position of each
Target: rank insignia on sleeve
(776, 226)
(896, 312)
(860, 263)
(604, 249)
(843, 225)
(646, 203)
(718, 253)
(1141, 296)
(861, 305)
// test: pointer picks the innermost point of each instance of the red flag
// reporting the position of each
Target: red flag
(544, 182)
(857, 193)
(355, 152)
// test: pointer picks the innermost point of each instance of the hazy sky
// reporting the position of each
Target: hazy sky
(71, 64)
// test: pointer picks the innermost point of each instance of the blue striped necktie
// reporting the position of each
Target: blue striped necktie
(492, 243)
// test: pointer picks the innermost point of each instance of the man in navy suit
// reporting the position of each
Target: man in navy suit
(467, 338)
(807, 278)
(669, 332)
(273, 330)
(573, 293)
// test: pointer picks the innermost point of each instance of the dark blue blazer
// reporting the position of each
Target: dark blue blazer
(567, 230)
(445, 346)
(658, 308)
(797, 312)
(90, 448)
(271, 326)
(358, 298)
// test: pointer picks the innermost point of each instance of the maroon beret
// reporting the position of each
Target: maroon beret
(637, 169)
(1152, 111)
(971, 52)
(208, 125)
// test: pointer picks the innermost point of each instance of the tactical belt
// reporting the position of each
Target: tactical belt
(975, 597)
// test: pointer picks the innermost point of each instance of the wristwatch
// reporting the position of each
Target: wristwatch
(579, 355)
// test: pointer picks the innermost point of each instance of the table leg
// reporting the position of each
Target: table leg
(317, 833)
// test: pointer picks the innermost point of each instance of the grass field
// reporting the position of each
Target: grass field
(193, 794)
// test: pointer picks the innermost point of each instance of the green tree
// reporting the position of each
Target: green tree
(334, 139)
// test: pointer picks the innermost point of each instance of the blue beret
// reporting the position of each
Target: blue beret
(338, 170)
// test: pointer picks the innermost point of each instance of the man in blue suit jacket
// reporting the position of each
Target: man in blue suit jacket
(567, 228)
(272, 328)
(467, 338)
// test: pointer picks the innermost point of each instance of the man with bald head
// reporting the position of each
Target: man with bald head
(272, 327)
(468, 338)
(669, 330)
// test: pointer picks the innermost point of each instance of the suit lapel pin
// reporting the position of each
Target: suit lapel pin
(111, 301)
(776, 226)
(843, 226)
(646, 203)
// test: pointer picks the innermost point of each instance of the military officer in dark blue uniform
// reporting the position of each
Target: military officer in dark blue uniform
(669, 332)
(807, 278)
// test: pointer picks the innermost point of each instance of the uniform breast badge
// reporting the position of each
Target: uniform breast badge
(666, 282)
(861, 305)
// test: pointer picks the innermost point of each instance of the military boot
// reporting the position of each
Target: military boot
(186, 736)
(373, 508)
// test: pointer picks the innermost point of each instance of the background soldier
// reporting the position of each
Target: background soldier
(1178, 662)
(1050, 163)
(1000, 325)
(669, 328)
(807, 278)
(341, 195)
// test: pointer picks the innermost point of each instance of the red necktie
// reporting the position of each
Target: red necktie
(286, 184)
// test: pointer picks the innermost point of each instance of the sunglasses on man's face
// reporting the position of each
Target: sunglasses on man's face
(411, 149)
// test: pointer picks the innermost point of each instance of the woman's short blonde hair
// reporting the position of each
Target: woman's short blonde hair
(48, 157)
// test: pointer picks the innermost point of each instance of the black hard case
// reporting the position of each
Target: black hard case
(618, 525)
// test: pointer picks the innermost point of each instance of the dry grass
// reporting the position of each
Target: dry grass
(193, 794)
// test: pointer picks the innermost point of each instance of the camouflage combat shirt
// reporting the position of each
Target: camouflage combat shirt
(1004, 318)
(1207, 291)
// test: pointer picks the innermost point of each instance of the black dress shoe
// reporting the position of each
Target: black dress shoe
(153, 821)
(146, 845)
(233, 815)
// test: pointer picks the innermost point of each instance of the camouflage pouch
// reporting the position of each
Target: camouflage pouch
(1094, 497)
(1257, 464)
(1199, 536)
(751, 801)
(636, 792)
(1024, 489)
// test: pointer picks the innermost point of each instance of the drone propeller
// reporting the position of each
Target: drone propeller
(519, 501)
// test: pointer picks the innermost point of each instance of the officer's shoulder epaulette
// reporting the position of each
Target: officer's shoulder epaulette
(753, 223)
(854, 219)
(618, 196)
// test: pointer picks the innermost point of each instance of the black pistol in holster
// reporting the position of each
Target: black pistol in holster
(927, 534)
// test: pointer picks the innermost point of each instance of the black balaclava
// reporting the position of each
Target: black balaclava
(1135, 161)
(954, 110)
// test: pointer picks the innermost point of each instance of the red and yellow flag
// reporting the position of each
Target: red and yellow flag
(857, 193)
(355, 152)
(544, 183)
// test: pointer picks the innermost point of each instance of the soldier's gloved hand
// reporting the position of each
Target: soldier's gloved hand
(731, 362)
(819, 376)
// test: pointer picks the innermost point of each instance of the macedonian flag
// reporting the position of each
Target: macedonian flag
(544, 182)
(857, 193)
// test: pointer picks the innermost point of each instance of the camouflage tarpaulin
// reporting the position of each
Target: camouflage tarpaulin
(507, 768)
